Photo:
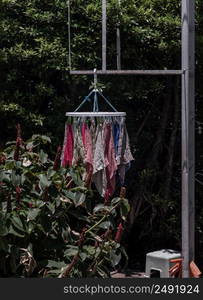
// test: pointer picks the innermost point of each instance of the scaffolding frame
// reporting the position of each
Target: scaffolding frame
(187, 74)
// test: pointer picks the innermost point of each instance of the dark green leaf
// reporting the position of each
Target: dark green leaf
(16, 221)
(105, 225)
(51, 207)
(115, 201)
(99, 207)
(41, 138)
(3, 226)
(4, 176)
(15, 179)
(44, 182)
(115, 258)
(124, 208)
(78, 215)
(70, 195)
(76, 178)
(14, 232)
(89, 249)
(43, 156)
(32, 214)
(55, 264)
(71, 251)
(83, 256)
(51, 173)
(30, 227)
(79, 199)
(3, 230)
(3, 244)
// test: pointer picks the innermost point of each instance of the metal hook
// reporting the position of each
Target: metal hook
(95, 105)
(95, 79)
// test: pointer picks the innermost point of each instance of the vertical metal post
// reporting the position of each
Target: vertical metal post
(118, 42)
(69, 37)
(188, 134)
(104, 35)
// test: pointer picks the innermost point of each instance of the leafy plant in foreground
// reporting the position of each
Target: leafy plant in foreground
(50, 223)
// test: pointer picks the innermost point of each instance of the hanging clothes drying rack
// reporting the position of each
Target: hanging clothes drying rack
(99, 142)
(95, 113)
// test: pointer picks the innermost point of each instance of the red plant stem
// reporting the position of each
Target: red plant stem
(122, 192)
(76, 257)
(46, 195)
(119, 233)
(82, 238)
(88, 178)
(18, 127)
(9, 208)
(2, 159)
(18, 142)
(106, 199)
(57, 159)
(37, 188)
(96, 244)
(30, 205)
(104, 237)
(69, 185)
(17, 149)
(71, 265)
(18, 194)
(107, 233)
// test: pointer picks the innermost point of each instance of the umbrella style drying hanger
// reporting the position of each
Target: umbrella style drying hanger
(95, 113)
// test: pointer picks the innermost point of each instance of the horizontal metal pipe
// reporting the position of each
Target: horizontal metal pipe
(96, 114)
(128, 72)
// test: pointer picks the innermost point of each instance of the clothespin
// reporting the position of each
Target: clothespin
(176, 270)
(194, 270)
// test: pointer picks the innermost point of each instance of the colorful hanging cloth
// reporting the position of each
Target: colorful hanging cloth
(101, 145)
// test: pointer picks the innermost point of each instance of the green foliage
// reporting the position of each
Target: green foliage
(36, 90)
(48, 229)
(35, 86)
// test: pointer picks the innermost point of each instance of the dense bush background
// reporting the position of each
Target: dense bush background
(37, 90)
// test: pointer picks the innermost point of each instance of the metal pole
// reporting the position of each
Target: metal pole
(118, 42)
(188, 135)
(69, 37)
(104, 35)
(127, 72)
